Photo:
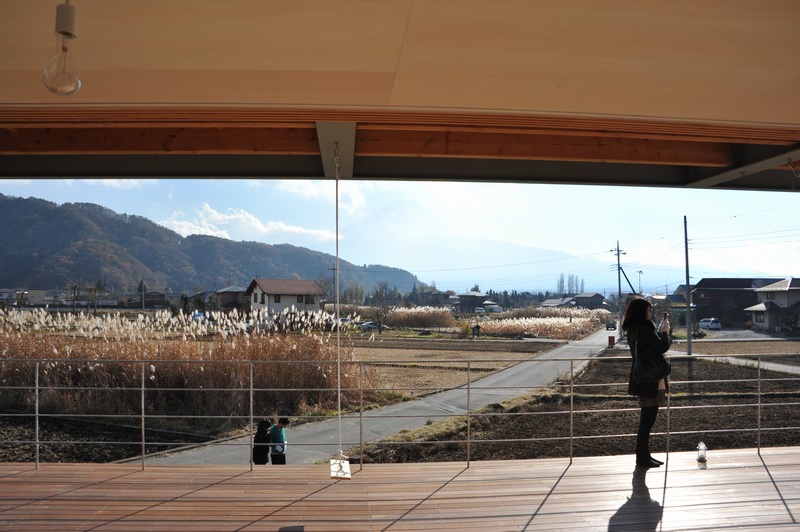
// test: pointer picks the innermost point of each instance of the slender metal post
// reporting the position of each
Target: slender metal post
(669, 405)
(36, 417)
(361, 414)
(252, 372)
(688, 290)
(142, 414)
(469, 413)
(758, 425)
(571, 405)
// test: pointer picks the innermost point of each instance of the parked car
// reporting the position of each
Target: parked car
(480, 310)
(710, 324)
(343, 323)
(368, 326)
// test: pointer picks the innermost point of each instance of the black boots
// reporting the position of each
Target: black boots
(648, 462)
(646, 422)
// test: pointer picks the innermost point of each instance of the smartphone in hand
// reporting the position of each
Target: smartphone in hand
(664, 325)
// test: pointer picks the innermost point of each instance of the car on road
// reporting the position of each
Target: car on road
(344, 323)
(711, 324)
(611, 325)
(368, 326)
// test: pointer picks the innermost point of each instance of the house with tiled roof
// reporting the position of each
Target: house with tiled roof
(778, 307)
(468, 301)
(277, 295)
(590, 300)
(726, 297)
(559, 302)
(230, 298)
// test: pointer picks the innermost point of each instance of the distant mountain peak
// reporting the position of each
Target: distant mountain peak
(44, 245)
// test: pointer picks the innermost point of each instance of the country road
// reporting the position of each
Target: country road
(314, 442)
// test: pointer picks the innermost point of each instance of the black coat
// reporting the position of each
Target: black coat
(650, 344)
(261, 447)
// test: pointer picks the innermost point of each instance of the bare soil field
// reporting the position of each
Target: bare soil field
(605, 418)
(772, 351)
(420, 367)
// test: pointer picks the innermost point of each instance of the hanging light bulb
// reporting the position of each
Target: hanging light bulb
(61, 75)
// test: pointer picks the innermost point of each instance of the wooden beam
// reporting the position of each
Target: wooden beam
(146, 139)
(390, 142)
(21, 117)
(369, 142)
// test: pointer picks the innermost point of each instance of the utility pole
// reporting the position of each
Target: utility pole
(333, 281)
(619, 288)
(640, 281)
(688, 291)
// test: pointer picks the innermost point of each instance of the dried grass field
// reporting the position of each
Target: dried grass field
(412, 367)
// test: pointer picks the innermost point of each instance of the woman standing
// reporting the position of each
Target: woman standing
(644, 341)
(261, 443)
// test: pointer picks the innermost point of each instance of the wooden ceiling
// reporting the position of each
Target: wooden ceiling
(619, 92)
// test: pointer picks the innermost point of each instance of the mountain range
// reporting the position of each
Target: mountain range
(447, 254)
(44, 245)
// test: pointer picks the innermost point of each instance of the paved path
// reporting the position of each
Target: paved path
(314, 442)
(746, 360)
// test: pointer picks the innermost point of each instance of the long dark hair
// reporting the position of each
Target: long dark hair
(635, 313)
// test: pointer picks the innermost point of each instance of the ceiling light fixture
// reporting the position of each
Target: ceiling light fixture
(61, 75)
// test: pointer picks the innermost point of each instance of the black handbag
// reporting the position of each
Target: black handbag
(650, 369)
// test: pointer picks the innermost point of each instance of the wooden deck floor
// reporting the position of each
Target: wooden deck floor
(739, 490)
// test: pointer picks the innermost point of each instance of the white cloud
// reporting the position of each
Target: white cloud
(186, 228)
(352, 200)
(351, 197)
(122, 184)
(239, 224)
(307, 188)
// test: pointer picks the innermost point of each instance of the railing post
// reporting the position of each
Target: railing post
(142, 414)
(669, 409)
(758, 422)
(252, 373)
(361, 415)
(36, 416)
(469, 413)
(571, 405)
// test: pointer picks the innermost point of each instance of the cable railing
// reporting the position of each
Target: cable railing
(133, 397)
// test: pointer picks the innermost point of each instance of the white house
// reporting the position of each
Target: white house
(778, 307)
(276, 295)
(8, 297)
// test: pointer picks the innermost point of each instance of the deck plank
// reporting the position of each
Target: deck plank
(740, 489)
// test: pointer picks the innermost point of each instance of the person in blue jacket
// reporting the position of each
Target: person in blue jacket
(644, 340)
(277, 438)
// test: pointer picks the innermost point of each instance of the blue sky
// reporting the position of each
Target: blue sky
(737, 234)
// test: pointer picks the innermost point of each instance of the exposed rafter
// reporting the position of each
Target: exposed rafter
(382, 145)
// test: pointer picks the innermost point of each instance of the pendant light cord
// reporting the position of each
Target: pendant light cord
(337, 322)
